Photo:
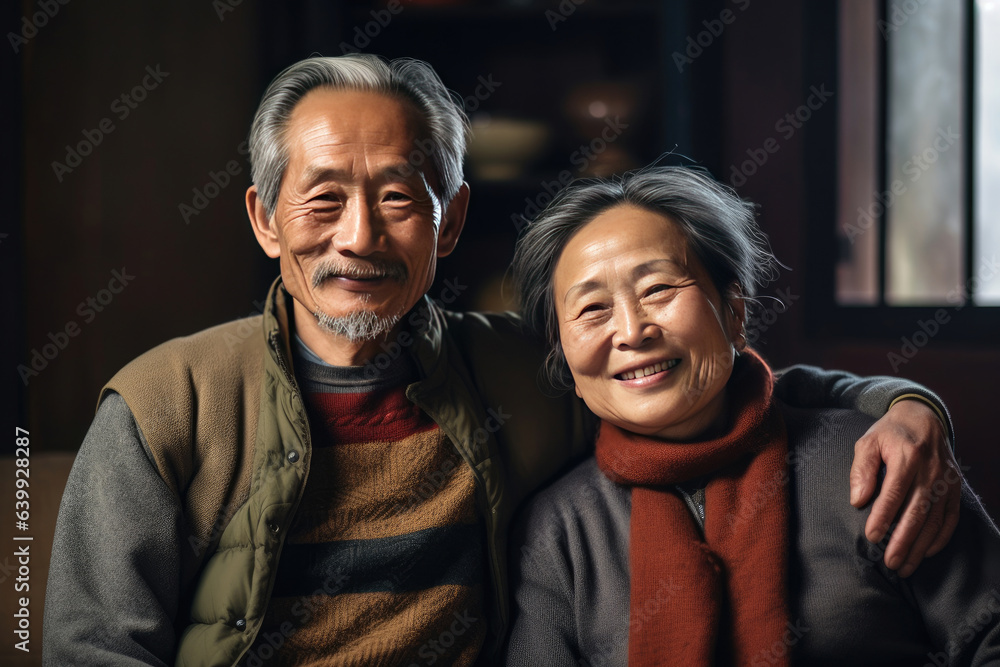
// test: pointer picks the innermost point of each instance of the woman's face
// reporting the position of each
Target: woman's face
(645, 333)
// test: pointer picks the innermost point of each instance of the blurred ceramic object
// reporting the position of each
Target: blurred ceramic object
(589, 105)
(502, 148)
(593, 107)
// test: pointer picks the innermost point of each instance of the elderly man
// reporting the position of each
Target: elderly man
(331, 482)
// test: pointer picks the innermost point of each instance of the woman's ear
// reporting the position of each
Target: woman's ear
(736, 317)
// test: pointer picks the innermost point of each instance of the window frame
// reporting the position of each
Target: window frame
(825, 318)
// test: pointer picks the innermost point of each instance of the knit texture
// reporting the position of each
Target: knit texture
(729, 604)
(384, 561)
(571, 571)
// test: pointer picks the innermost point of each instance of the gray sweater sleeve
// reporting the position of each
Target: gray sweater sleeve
(802, 386)
(543, 630)
(113, 585)
(570, 577)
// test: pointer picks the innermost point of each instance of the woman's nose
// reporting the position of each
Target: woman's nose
(633, 327)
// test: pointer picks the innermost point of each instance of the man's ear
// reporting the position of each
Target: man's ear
(453, 222)
(263, 227)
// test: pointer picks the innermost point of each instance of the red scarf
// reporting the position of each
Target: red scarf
(721, 598)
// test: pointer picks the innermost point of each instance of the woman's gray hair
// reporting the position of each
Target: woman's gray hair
(719, 226)
(444, 119)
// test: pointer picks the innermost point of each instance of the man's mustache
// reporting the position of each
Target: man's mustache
(374, 269)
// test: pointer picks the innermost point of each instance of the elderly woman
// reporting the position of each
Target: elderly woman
(713, 524)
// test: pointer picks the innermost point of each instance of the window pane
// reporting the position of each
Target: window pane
(987, 181)
(923, 190)
(857, 224)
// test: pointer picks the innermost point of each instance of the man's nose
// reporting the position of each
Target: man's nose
(633, 327)
(359, 231)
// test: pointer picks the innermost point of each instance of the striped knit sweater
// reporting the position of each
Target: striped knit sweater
(384, 562)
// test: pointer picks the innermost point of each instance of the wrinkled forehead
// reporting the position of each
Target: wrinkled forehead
(626, 229)
(339, 111)
(336, 120)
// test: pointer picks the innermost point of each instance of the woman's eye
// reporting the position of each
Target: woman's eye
(592, 309)
(656, 289)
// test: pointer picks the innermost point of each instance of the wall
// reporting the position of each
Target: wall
(111, 264)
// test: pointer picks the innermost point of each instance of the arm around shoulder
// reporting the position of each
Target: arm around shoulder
(805, 386)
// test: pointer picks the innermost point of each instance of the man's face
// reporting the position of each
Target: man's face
(356, 227)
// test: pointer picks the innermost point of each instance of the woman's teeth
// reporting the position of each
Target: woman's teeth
(650, 370)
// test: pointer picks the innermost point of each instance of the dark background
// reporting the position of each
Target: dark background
(120, 207)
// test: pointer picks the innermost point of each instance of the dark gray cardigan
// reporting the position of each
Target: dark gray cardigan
(571, 577)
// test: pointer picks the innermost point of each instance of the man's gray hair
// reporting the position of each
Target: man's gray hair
(444, 121)
(719, 226)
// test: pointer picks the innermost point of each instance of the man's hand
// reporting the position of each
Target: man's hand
(922, 479)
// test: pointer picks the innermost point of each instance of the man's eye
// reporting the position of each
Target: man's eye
(397, 196)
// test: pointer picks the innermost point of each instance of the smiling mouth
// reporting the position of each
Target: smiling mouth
(360, 279)
(652, 369)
